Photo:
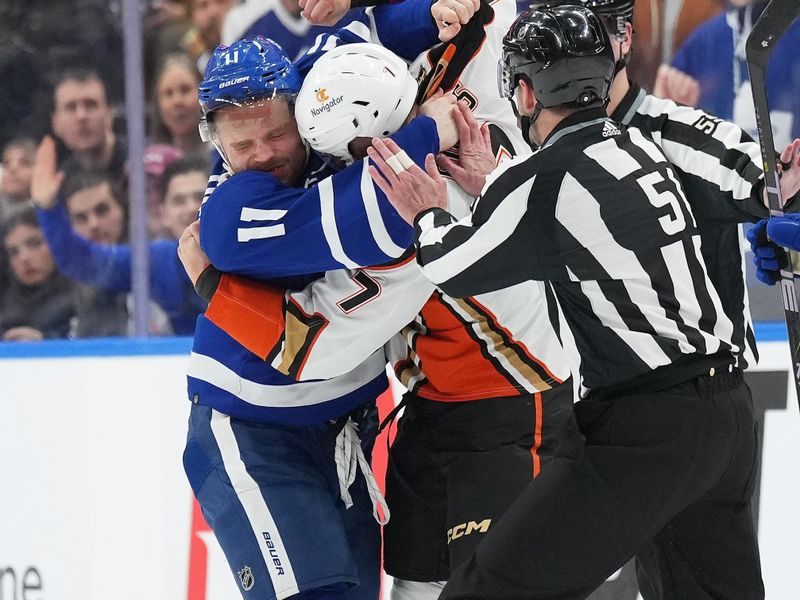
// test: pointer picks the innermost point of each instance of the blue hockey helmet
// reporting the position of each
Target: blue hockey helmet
(247, 70)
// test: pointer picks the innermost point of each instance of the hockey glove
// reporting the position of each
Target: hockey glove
(768, 256)
(785, 230)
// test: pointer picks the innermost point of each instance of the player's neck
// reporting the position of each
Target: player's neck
(619, 89)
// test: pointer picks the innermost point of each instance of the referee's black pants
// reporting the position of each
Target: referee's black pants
(665, 476)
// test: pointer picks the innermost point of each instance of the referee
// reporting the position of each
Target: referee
(598, 213)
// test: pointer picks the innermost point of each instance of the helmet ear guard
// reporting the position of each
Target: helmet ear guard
(205, 130)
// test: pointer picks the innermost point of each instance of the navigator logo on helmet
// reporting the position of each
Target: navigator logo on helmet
(564, 55)
(369, 92)
(246, 72)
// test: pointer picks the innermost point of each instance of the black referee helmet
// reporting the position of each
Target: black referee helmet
(563, 52)
(615, 13)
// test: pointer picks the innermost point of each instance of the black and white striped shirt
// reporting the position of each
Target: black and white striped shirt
(599, 213)
(719, 166)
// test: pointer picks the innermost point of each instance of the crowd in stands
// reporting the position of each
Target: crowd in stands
(65, 262)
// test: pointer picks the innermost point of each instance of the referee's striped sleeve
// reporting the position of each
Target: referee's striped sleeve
(481, 253)
(718, 163)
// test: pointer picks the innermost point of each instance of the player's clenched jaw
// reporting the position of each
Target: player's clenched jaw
(262, 137)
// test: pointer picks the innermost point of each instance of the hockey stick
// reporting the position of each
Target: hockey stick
(776, 19)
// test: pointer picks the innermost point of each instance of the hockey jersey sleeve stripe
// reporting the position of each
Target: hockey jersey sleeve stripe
(248, 311)
(374, 218)
(328, 218)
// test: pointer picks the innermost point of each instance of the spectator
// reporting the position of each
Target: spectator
(662, 26)
(156, 159)
(90, 250)
(41, 38)
(164, 24)
(278, 20)
(94, 207)
(176, 106)
(83, 120)
(205, 35)
(714, 56)
(38, 302)
(15, 186)
(182, 187)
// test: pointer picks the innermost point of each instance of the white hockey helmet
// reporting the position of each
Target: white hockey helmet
(353, 90)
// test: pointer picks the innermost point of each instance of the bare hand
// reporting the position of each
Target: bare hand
(440, 107)
(411, 190)
(162, 12)
(46, 179)
(475, 156)
(192, 257)
(676, 85)
(790, 176)
(23, 334)
(450, 15)
(324, 12)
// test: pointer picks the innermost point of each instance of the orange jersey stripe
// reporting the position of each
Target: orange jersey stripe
(454, 365)
(248, 311)
(537, 435)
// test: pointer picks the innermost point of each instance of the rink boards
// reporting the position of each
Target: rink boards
(94, 502)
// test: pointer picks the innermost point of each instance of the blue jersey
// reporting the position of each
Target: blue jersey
(254, 225)
(271, 19)
(108, 266)
(714, 55)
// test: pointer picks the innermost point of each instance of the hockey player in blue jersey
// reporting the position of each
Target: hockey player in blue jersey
(260, 448)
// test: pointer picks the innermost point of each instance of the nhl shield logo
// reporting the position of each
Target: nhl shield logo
(247, 579)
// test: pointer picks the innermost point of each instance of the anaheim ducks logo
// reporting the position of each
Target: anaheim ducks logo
(322, 95)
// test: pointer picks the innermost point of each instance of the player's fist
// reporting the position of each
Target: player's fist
(192, 257)
(440, 108)
(450, 15)
(324, 12)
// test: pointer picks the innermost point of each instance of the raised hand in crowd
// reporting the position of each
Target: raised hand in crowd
(47, 179)
(441, 107)
(475, 156)
(410, 189)
(672, 84)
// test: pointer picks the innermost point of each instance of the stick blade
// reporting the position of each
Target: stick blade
(770, 27)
